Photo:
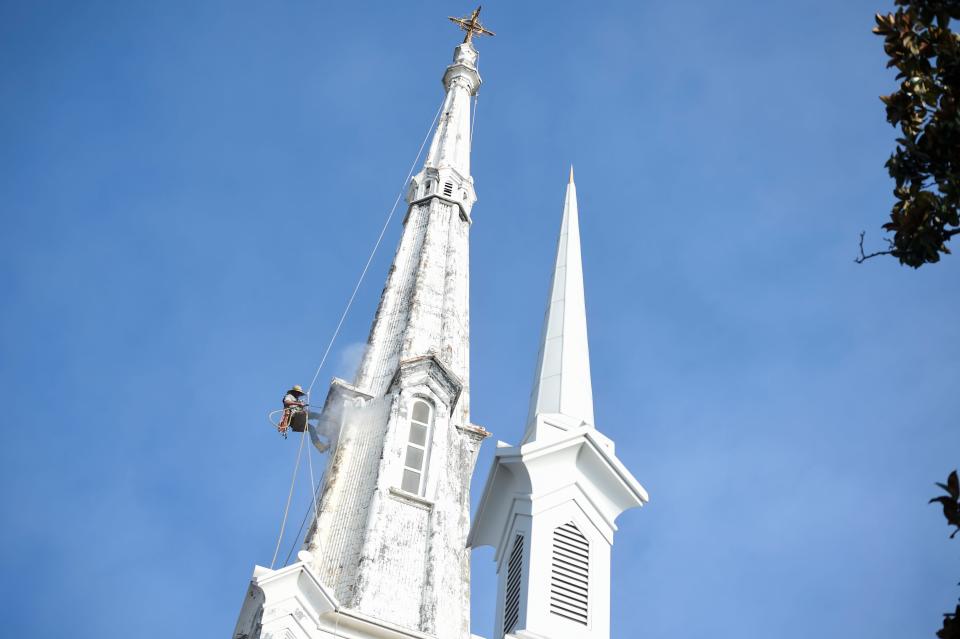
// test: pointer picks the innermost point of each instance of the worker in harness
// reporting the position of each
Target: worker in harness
(294, 412)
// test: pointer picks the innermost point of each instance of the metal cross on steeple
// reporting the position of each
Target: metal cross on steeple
(472, 25)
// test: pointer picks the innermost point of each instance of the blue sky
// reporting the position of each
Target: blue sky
(189, 191)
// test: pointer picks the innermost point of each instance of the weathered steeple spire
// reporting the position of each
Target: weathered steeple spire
(562, 382)
(417, 315)
(389, 537)
(385, 555)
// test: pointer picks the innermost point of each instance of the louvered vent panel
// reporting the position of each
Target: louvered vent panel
(569, 578)
(511, 600)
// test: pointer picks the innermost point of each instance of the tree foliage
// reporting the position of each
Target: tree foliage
(950, 502)
(926, 163)
(951, 510)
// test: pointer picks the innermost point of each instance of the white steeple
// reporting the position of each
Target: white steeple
(549, 505)
(562, 381)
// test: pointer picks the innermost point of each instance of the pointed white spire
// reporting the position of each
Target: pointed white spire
(562, 382)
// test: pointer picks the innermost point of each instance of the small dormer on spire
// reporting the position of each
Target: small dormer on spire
(562, 383)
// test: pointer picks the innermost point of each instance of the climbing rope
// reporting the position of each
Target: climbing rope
(286, 510)
(303, 522)
(333, 339)
(473, 120)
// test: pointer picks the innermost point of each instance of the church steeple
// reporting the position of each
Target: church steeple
(549, 505)
(393, 517)
(562, 381)
(388, 544)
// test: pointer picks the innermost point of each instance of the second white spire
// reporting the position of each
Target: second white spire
(562, 381)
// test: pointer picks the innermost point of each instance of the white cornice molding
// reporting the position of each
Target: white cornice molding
(579, 460)
(409, 498)
(293, 599)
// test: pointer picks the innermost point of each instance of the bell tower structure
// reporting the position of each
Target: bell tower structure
(386, 554)
(549, 505)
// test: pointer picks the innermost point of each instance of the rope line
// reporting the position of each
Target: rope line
(303, 522)
(473, 121)
(286, 510)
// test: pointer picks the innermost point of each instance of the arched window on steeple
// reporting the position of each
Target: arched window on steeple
(418, 447)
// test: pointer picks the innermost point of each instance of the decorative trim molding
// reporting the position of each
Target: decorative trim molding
(342, 390)
(409, 498)
(477, 433)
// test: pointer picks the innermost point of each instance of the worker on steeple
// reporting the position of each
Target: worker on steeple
(294, 412)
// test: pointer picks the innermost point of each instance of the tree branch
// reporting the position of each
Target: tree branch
(863, 257)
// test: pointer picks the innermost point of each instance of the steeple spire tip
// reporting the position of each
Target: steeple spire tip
(562, 381)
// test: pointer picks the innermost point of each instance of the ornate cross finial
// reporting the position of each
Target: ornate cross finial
(472, 25)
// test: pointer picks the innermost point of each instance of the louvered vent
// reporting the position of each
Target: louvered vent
(570, 572)
(448, 189)
(511, 600)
